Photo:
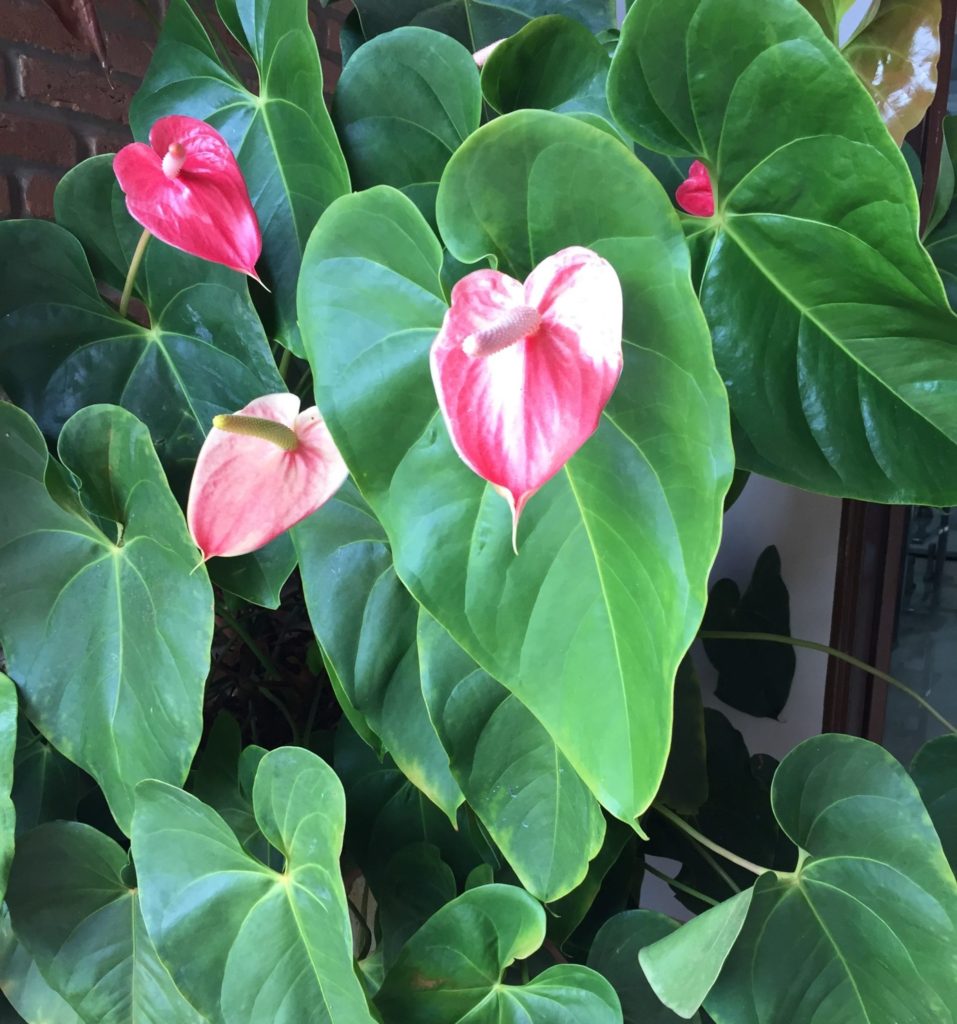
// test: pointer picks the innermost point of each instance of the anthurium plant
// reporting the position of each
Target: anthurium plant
(361, 474)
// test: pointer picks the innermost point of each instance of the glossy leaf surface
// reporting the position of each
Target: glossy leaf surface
(196, 879)
(106, 633)
(283, 137)
(806, 178)
(46, 786)
(371, 304)
(451, 969)
(365, 620)
(75, 913)
(934, 770)
(8, 749)
(535, 807)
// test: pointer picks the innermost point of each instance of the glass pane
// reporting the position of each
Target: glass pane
(925, 646)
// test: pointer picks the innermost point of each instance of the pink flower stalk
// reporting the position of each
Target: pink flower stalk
(481, 56)
(695, 194)
(186, 188)
(523, 371)
(259, 472)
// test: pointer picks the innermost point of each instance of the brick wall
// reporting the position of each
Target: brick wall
(58, 106)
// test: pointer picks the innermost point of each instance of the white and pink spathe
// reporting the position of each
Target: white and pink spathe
(523, 371)
(247, 490)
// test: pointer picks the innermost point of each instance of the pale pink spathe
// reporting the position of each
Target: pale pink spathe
(481, 56)
(246, 491)
(517, 416)
(204, 208)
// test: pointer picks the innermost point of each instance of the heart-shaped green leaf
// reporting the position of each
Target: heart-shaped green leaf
(283, 138)
(830, 326)
(869, 917)
(934, 769)
(451, 969)
(365, 620)
(107, 635)
(616, 548)
(754, 676)
(79, 918)
(209, 905)
(614, 954)
(62, 347)
(536, 809)
(46, 786)
(404, 104)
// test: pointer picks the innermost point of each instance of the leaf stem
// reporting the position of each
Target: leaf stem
(284, 361)
(284, 711)
(811, 645)
(131, 273)
(678, 822)
(652, 870)
(272, 671)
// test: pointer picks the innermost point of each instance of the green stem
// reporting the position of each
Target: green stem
(652, 870)
(718, 870)
(272, 671)
(284, 711)
(775, 638)
(131, 273)
(284, 361)
(678, 822)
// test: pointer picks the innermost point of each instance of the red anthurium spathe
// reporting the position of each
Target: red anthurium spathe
(523, 371)
(261, 471)
(695, 194)
(186, 188)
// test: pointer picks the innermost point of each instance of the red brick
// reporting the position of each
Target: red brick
(106, 142)
(39, 142)
(330, 74)
(128, 54)
(29, 21)
(73, 87)
(6, 199)
(38, 195)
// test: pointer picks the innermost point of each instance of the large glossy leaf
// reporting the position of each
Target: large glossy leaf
(208, 904)
(365, 620)
(46, 786)
(107, 634)
(282, 137)
(868, 920)
(894, 52)
(614, 954)
(8, 750)
(62, 348)
(25, 988)
(830, 325)
(536, 809)
(753, 675)
(616, 548)
(934, 769)
(404, 104)
(78, 915)
(451, 969)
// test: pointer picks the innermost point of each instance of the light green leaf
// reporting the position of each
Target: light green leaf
(830, 325)
(934, 770)
(8, 750)
(614, 954)
(365, 621)
(616, 548)
(869, 919)
(106, 634)
(283, 137)
(79, 918)
(536, 809)
(451, 969)
(404, 104)
(209, 905)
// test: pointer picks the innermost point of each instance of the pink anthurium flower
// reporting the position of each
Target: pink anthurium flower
(695, 194)
(481, 56)
(523, 371)
(186, 188)
(259, 472)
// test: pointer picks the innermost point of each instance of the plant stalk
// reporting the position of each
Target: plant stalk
(678, 822)
(135, 262)
(811, 645)
(272, 671)
(652, 870)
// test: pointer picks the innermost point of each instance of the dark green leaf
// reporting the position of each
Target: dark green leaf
(46, 786)
(638, 496)
(614, 954)
(934, 770)
(209, 905)
(535, 807)
(365, 620)
(259, 576)
(754, 676)
(283, 137)
(107, 636)
(830, 326)
(79, 919)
